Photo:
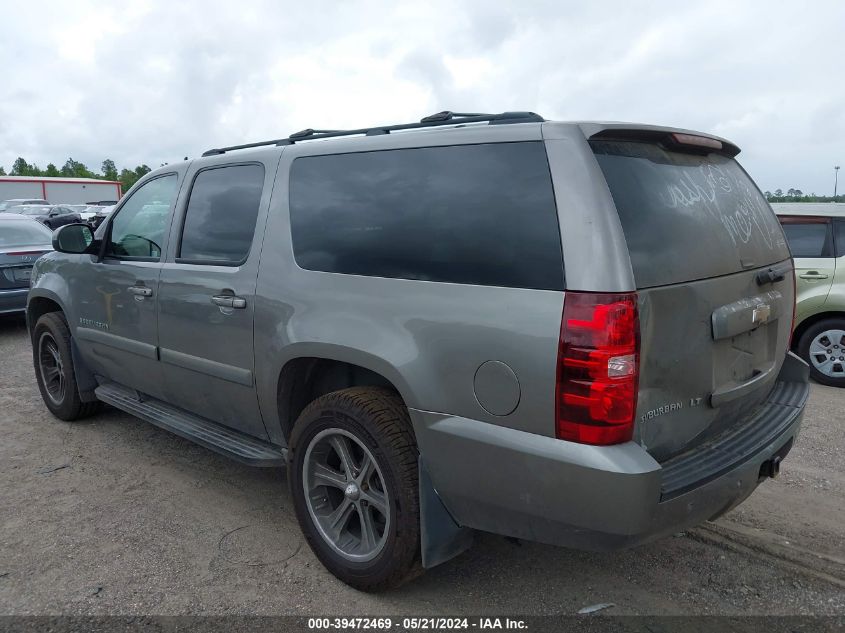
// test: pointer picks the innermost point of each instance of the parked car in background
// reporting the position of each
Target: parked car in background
(16, 202)
(22, 241)
(85, 211)
(100, 216)
(816, 236)
(52, 216)
(550, 331)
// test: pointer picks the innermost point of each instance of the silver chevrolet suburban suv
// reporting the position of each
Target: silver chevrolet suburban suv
(573, 333)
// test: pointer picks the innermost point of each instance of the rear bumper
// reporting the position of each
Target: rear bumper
(538, 488)
(13, 300)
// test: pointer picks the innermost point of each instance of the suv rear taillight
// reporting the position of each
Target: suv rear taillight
(598, 367)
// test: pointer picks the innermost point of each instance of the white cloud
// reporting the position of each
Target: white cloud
(155, 81)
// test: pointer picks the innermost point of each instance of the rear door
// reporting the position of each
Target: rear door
(207, 292)
(811, 242)
(715, 323)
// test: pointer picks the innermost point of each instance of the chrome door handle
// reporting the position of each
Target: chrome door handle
(141, 291)
(229, 301)
(813, 275)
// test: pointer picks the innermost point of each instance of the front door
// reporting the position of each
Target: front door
(206, 295)
(115, 299)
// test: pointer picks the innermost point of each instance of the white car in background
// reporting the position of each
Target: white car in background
(17, 202)
(85, 211)
(100, 215)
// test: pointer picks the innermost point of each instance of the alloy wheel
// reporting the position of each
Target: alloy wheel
(346, 495)
(51, 367)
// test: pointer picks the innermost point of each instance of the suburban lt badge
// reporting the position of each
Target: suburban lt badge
(668, 408)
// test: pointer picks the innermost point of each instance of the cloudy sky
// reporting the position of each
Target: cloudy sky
(152, 81)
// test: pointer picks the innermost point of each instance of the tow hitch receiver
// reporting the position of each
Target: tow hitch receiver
(771, 467)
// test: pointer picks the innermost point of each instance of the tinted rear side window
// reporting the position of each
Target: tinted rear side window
(687, 216)
(809, 239)
(471, 214)
(222, 210)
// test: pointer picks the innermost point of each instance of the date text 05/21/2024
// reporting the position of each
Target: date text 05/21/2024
(420, 623)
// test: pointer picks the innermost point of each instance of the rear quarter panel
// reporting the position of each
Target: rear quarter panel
(427, 338)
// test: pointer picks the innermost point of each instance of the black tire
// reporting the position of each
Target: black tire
(68, 406)
(378, 418)
(804, 350)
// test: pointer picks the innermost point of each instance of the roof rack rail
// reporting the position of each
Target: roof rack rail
(434, 120)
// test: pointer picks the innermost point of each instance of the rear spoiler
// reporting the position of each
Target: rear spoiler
(676, 139)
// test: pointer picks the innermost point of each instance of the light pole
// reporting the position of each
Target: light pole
(835, 181)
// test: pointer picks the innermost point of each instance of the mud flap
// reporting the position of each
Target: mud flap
(85, 381)
(794, 369)
(441, 538)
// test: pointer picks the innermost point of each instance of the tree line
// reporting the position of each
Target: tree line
(796, 195)
(75, 169)
(128, 177)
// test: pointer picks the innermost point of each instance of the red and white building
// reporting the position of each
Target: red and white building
(59, 190)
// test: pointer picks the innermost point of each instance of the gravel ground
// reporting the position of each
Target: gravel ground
(113, 516)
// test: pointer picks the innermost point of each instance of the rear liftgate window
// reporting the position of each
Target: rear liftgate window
(687, 216)
(470, 214)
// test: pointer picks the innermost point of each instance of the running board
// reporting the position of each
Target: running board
(239, 446)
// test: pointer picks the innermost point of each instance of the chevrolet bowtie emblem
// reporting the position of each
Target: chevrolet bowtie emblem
(761, 314)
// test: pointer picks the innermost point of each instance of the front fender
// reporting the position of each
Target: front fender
(51, 287)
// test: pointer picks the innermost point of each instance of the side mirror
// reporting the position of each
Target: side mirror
(73, 238)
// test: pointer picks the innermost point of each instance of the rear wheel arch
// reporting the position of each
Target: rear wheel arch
(304, 379)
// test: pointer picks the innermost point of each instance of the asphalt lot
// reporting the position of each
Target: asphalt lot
(113, 516)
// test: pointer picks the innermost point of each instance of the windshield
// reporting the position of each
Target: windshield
(687, 216)
(23, 233)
